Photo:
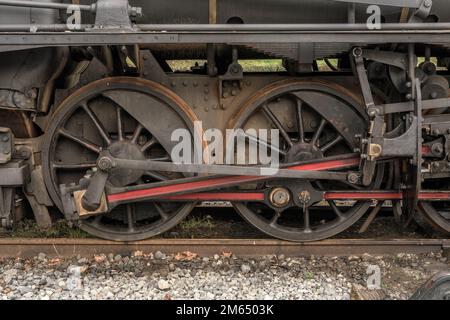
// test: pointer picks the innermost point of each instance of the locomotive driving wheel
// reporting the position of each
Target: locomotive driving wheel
(132, 118)
(316, 120)
(435, 213)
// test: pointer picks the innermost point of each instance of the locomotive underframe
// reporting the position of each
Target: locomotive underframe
(213, 100)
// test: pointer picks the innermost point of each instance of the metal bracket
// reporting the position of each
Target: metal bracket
(150, 68)
(376, 145)
(6, 207)
(422, 12)
(6, 145)
(396, 147)
(230, 84)
(14, 173)
(84, 212)
(114, 15)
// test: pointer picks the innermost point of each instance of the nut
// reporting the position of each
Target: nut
(105, 163)
(304, 196)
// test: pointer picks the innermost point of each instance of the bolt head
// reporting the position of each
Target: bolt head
(105, 163)
(304, 196)
(357, 52)
(373, 112)
(353, 178)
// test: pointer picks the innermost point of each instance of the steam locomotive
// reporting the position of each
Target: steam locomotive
(91, 95)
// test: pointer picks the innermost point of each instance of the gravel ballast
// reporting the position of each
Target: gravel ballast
(186, 276)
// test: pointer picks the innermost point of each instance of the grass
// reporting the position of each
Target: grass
(60, 229)
(195, 223)
(309, 275)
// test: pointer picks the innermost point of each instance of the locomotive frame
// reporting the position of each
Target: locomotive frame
(405, 134)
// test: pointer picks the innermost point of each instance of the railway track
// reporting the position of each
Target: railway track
(26, 248)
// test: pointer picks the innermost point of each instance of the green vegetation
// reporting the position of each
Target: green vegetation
(257, 65)
(309, 275)
(193, 224)
(29, 229)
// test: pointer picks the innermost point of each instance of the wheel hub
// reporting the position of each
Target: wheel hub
(125, 150)
(303, 152)
(280, 197)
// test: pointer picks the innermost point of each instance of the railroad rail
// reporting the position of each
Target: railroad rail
(27, 248)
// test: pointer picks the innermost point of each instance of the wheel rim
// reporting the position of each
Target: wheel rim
(303, 141)
(89, 121)
(435, 213)
(438, 215)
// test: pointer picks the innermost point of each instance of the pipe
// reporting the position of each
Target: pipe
(289, 27)
(47, 5)
(39, 28)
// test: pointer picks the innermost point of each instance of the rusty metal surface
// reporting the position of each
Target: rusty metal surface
(27, 248)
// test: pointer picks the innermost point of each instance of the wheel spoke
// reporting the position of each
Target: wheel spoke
(262, 143)
(130, 217)
(331, 144)
(306, 220)
(318, 133)
(73, 166)
(149, 144)
(83, 142)
(274, 221)
(156, 176)
(301, 129)
(164, 215)
(96, 221)
(137, 133)
(119, 124)
(277, 123)
(336, 210)
(97, 123)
